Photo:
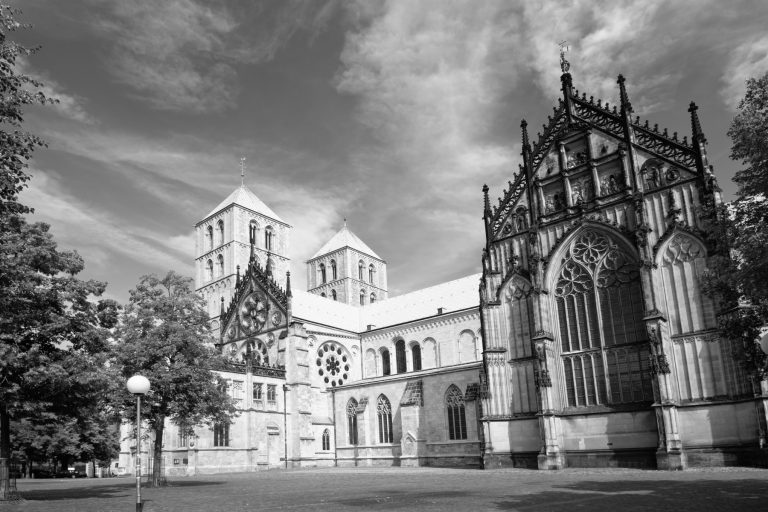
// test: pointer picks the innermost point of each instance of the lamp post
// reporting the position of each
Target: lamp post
(138, 385)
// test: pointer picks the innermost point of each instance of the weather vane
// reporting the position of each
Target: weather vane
(242, 171)
(564, 64)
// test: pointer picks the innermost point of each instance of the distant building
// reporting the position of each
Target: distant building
(588, 344)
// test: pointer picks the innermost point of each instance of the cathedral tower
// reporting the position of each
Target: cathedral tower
(222, 244)
(347, 270)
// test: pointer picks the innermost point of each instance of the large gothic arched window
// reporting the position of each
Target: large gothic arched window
(600, 317)
(457, 419)
(384, 415)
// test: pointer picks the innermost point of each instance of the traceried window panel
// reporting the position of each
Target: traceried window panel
(688, 310)
(384, 416)
(602, 337)
(519, 312)
(352, 421)
(457, 420)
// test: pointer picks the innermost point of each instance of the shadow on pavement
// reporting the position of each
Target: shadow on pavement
(696, 495)
(101, 491)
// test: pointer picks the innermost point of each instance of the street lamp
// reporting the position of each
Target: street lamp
(138, 385)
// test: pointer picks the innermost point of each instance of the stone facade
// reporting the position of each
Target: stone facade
(601, 349)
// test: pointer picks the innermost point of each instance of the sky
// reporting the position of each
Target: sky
(391, 114)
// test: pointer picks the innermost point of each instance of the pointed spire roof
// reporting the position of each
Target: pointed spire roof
(242, 196)
(345, 238)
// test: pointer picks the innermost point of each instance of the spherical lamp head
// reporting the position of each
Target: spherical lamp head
(138, 385)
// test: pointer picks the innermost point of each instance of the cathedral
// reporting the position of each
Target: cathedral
(585, 341)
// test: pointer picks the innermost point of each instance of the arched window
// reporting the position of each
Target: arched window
(209, 270)
(400, 356)
(322, 294)
(209, 237)
(333, 294)
(334, 275)
(220, 230)
(385, 365)
(371, 272)
(352, 420)
(326, 440)
(322, 273)
(268, 238)
(416, 357)
(373, 298)
(384, 415)
(457, 420)
(362, 297)
(220, 265)
(360, 267)
(600, 316)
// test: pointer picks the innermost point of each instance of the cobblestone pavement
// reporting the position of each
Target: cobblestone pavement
(423, 489)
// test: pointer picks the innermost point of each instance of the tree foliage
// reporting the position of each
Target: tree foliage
(18, 90)
(738, 273)
(164, 335)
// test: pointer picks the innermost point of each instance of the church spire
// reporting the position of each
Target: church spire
(698, 133)
(566, 80)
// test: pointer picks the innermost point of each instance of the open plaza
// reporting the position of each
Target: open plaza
(423, 489)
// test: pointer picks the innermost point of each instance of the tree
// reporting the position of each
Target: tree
(16, 145)
(52, 335)
(738, 271)
(164, 335)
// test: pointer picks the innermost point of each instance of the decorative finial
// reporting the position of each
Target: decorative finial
(564, 64)
(222, 306)
(626, 106)
(486, 201)
(288, 284)
(237, 277)
(698, 133)
(242, 171)
(345, 223)
(524, 127)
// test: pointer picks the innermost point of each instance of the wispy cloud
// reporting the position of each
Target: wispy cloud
(747, 60)
(68, 105)
(185, 54)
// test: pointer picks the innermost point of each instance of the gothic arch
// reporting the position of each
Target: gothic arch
(517, 307)
(467, 346)
(681, 259)
(558, 251)
(597, 302)
(429, 354)
(371, 363)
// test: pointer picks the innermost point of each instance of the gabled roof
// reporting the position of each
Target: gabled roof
(345, 238)
(242, 196)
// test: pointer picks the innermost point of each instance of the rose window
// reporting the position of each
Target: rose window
(253, 313)
(332, 364)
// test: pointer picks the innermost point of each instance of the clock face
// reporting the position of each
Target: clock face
(253, 313)
(276, 317)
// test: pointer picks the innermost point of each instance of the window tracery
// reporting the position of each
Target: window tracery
(332, 364)
(457, 420)
(352, 421)
(600, 310)
(384, 415)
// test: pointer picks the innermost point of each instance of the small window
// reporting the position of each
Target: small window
(209, 270)
(384, 415)
(371, 272)
(416, 356)
(333, 294)
(352, 421)
(221, 434)
(326, 440)
(322, 273)
(268, 238)
(385, 365)
(271, 393)
(400, 356)
(220, 265)
(183, 437)
(373, 298)
(333, 270)
(209, 236)
(322, 294)
(220, 229)
(360, 267)
(362, 297)
(257, 392)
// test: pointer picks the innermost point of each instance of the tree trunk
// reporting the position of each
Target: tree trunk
(5, 453)
(158, 478)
